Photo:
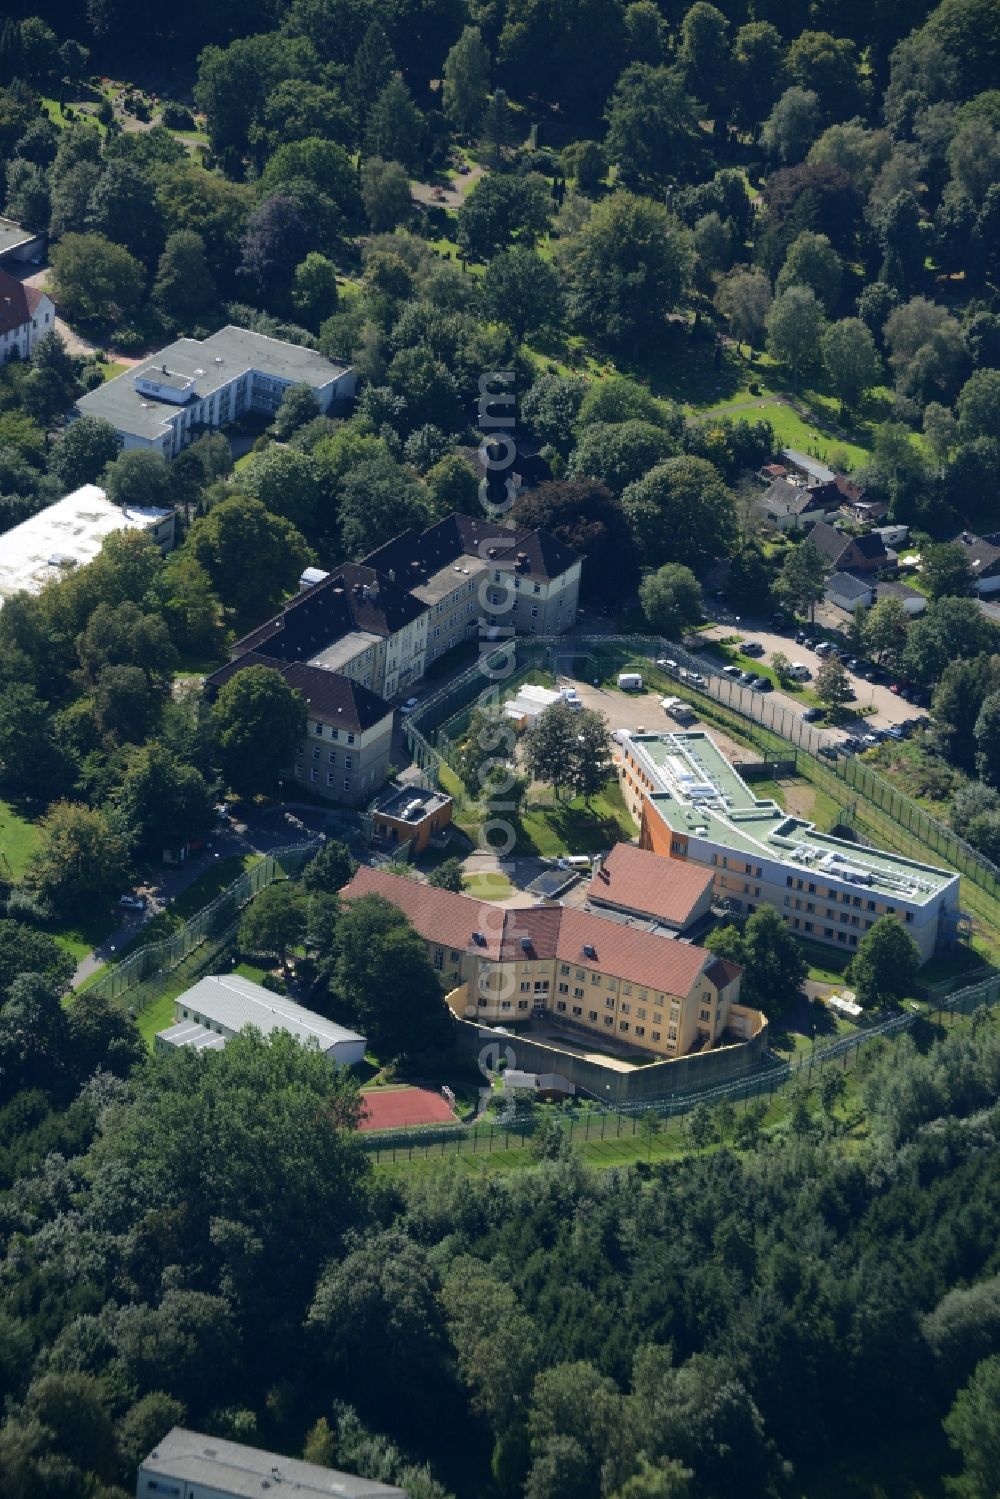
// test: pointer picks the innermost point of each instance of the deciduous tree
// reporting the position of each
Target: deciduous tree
(259, 723)
(794, 330)
(671, 599)
(884, 968)
(466, 77)
(681, 512)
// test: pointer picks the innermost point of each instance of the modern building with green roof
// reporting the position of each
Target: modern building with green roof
(195, 386)
(692, 804)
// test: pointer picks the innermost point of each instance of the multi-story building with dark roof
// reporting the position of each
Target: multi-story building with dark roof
(357, 622)
(365, 633)
(347, 749)
(467, 571)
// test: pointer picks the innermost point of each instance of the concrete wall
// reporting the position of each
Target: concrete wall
(655, 1081)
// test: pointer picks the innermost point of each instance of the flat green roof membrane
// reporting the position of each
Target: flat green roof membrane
(701, 795)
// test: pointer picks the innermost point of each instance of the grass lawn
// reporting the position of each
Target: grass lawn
(157, 1017)
(825, 963)
(112, 369)
(18, 839)
(492, 886)
(196, 666)
(79, 941)
(573, 828)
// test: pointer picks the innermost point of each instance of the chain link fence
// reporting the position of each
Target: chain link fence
(768, 725)
(600, 1120)
(140, 977)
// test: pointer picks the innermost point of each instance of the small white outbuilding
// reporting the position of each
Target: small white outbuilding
(219, 1007)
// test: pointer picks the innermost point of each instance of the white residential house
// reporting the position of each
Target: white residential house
(26, 315)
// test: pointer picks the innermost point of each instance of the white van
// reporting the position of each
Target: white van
(630, 681)
(799, 672)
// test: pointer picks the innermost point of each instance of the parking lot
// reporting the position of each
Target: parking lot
(888, 708)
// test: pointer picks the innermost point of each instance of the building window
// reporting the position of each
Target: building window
(561, 1006)
(577, 1010)
(623, 1025)
(522, 1004)
(347, 783)
(577, 993)
(319, 730)
(591, 1016)
(609, 1003)
(656, 1035)
(564, 969)
(640, 1030)
(564, 988)
(609, 1021)
(438, 959)
(672, 1033)
(704, 1014)
(626, 1009)
(526, 987)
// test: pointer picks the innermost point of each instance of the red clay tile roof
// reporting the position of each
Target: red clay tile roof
(634, 879)
(550, 932)
(17, 303)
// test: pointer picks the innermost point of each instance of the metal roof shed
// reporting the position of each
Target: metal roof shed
(225, 1004)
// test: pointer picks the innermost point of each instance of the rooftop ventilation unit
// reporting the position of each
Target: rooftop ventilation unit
(589, 951)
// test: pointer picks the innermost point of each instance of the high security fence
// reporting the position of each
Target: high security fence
(614, 1121)
(758, 718)
(139, 977)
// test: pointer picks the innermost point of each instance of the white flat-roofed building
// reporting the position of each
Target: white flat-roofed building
(218, 1008)
(189, 1465)
(69, 534)
(195, 386)
(691, 804)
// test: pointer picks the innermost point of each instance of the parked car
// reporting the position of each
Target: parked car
(870, 741)
(812, 715)
(824, 648)
(778, 621)
(696, 679)
(409, 706)
(799, 672)
(752, 648)
(800, 637)
(132, 902)
(895, 688)
(852, 743)
(732, 671)
(895, 732)
(809, 643)
(764, 684)
(665, 664)
(748, 678)
(853, 664)
(829, 751)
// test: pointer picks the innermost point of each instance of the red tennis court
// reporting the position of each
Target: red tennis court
(391, 1108)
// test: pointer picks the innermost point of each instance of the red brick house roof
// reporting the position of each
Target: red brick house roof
(499, 933)
(634, 879)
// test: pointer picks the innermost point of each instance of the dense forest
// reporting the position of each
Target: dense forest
(204, 1242)
(693, 233)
